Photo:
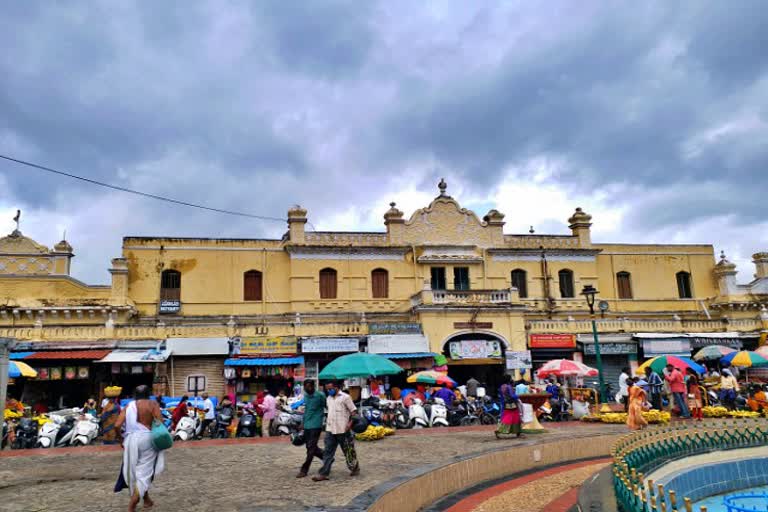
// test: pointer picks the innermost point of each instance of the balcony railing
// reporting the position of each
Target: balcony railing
(642, 325)
(470, 296)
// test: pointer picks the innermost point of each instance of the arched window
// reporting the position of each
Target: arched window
(624, 285)
(252, 285)
(684, 285)
(565, 277)
(170, 285)
(520, 281)
(328, 283)
(380, 283)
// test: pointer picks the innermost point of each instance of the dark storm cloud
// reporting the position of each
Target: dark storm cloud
(339, 105)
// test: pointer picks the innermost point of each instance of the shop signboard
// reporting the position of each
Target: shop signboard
(611, 348)
(397, 344)
(169, 307)
(697, 342)
(311, 370)
(659, 347)
(475, 349)
(519, 360)
(268, 345)
(394, 328)
(320, 345)
(552, 341)
(473, 325)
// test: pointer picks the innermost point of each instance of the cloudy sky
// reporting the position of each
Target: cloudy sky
(652, 116)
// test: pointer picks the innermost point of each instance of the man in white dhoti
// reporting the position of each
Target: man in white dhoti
(141, 462)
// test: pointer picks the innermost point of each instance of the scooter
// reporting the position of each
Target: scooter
(462, 415)
(417, 414)
(371, 411)
(402, 418)
(86, 430)
(56, 433)
(284, 422)
(188, 427)
(438, 414)
(491, 411)
(223, 421)
(246, 427)
(26, 434)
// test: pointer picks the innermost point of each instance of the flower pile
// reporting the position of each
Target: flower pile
(374, 433)
(714, 411)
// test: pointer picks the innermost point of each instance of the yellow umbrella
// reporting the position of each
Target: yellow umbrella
(19, 369)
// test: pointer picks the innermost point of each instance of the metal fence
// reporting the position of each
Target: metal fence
(640, 453)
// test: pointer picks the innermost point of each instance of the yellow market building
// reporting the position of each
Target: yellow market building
(234, 315)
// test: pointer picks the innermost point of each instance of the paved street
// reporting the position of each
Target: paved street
(243, 476)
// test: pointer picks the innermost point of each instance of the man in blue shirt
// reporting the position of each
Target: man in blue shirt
(314, 411)
(655, 387)
(446, 395)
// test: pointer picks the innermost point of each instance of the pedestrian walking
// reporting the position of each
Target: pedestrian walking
(109, 416)
(677, 387)
(314, 410)
(338, 432)
(729, 386)
(624, 388)
(655, 387)
(141, 461)
(694, 395)
(636, 401)
(511, 411)
(269, 407)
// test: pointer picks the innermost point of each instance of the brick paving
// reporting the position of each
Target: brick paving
(242, 475)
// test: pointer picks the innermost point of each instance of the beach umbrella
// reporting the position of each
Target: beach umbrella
(433, 378)
(565, 368)
(658, 364)
(763, 351)
(359, 364)
(712, 352)
(18, 369)
(744, 359)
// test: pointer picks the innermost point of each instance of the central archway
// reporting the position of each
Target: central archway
(478, 354)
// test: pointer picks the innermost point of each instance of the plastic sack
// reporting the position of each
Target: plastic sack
(580, 409)
(527, 413)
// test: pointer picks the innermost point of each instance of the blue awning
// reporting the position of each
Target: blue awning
(264, 361)
(409, 355)
(17, 356)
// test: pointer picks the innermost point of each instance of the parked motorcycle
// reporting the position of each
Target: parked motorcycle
(417, 414)
(371, 411)
(86, 430)
(460, 415)
(438, 413)
(223, 421)
(285, 421)
(188, 427)
(58, 432)
(491, 412)
(25, 434)
(402, 418)
(246, 427)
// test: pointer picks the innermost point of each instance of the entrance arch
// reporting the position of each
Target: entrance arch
(488, 369)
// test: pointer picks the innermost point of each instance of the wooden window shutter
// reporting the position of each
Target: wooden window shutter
(520, 281)
(380, 283)
(252, 285)
(566, 283)
(328, 283)
(624, 285)
(170, 285)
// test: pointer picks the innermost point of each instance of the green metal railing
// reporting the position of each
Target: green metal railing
(639, 453)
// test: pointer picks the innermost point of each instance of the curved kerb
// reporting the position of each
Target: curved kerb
(419, 488)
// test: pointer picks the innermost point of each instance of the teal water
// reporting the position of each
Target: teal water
(715, 503)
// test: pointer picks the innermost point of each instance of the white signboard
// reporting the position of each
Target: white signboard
(397, 344)
(475, 349)
(315, 345)
(170, 306)
(519, 360)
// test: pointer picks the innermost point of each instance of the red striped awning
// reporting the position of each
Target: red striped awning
(90, 355)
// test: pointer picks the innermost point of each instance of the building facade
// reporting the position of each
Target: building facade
(193, 314)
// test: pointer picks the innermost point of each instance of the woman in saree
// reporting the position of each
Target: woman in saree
(511, 411)
(109, 414)
(637, 400)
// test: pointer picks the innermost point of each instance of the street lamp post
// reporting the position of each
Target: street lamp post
(5, 346)
(589, 292)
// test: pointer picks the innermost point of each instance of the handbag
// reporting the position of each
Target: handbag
(161, 438)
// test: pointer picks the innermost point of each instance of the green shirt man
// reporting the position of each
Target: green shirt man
(314, 410)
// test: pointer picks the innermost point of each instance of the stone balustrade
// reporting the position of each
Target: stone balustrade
(643, 325)
(470, 296)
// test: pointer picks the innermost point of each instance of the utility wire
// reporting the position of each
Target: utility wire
(138, 193)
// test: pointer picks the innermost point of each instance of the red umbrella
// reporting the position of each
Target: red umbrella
(565, 368)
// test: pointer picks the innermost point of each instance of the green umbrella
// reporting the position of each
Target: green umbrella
(360, 364)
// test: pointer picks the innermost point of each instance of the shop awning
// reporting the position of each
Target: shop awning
(198, 346)
(264, 361)
(90, 355)
(411, 355)
(136, 356)
(18, 356)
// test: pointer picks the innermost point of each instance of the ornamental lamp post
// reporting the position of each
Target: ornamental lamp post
(589, 292)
